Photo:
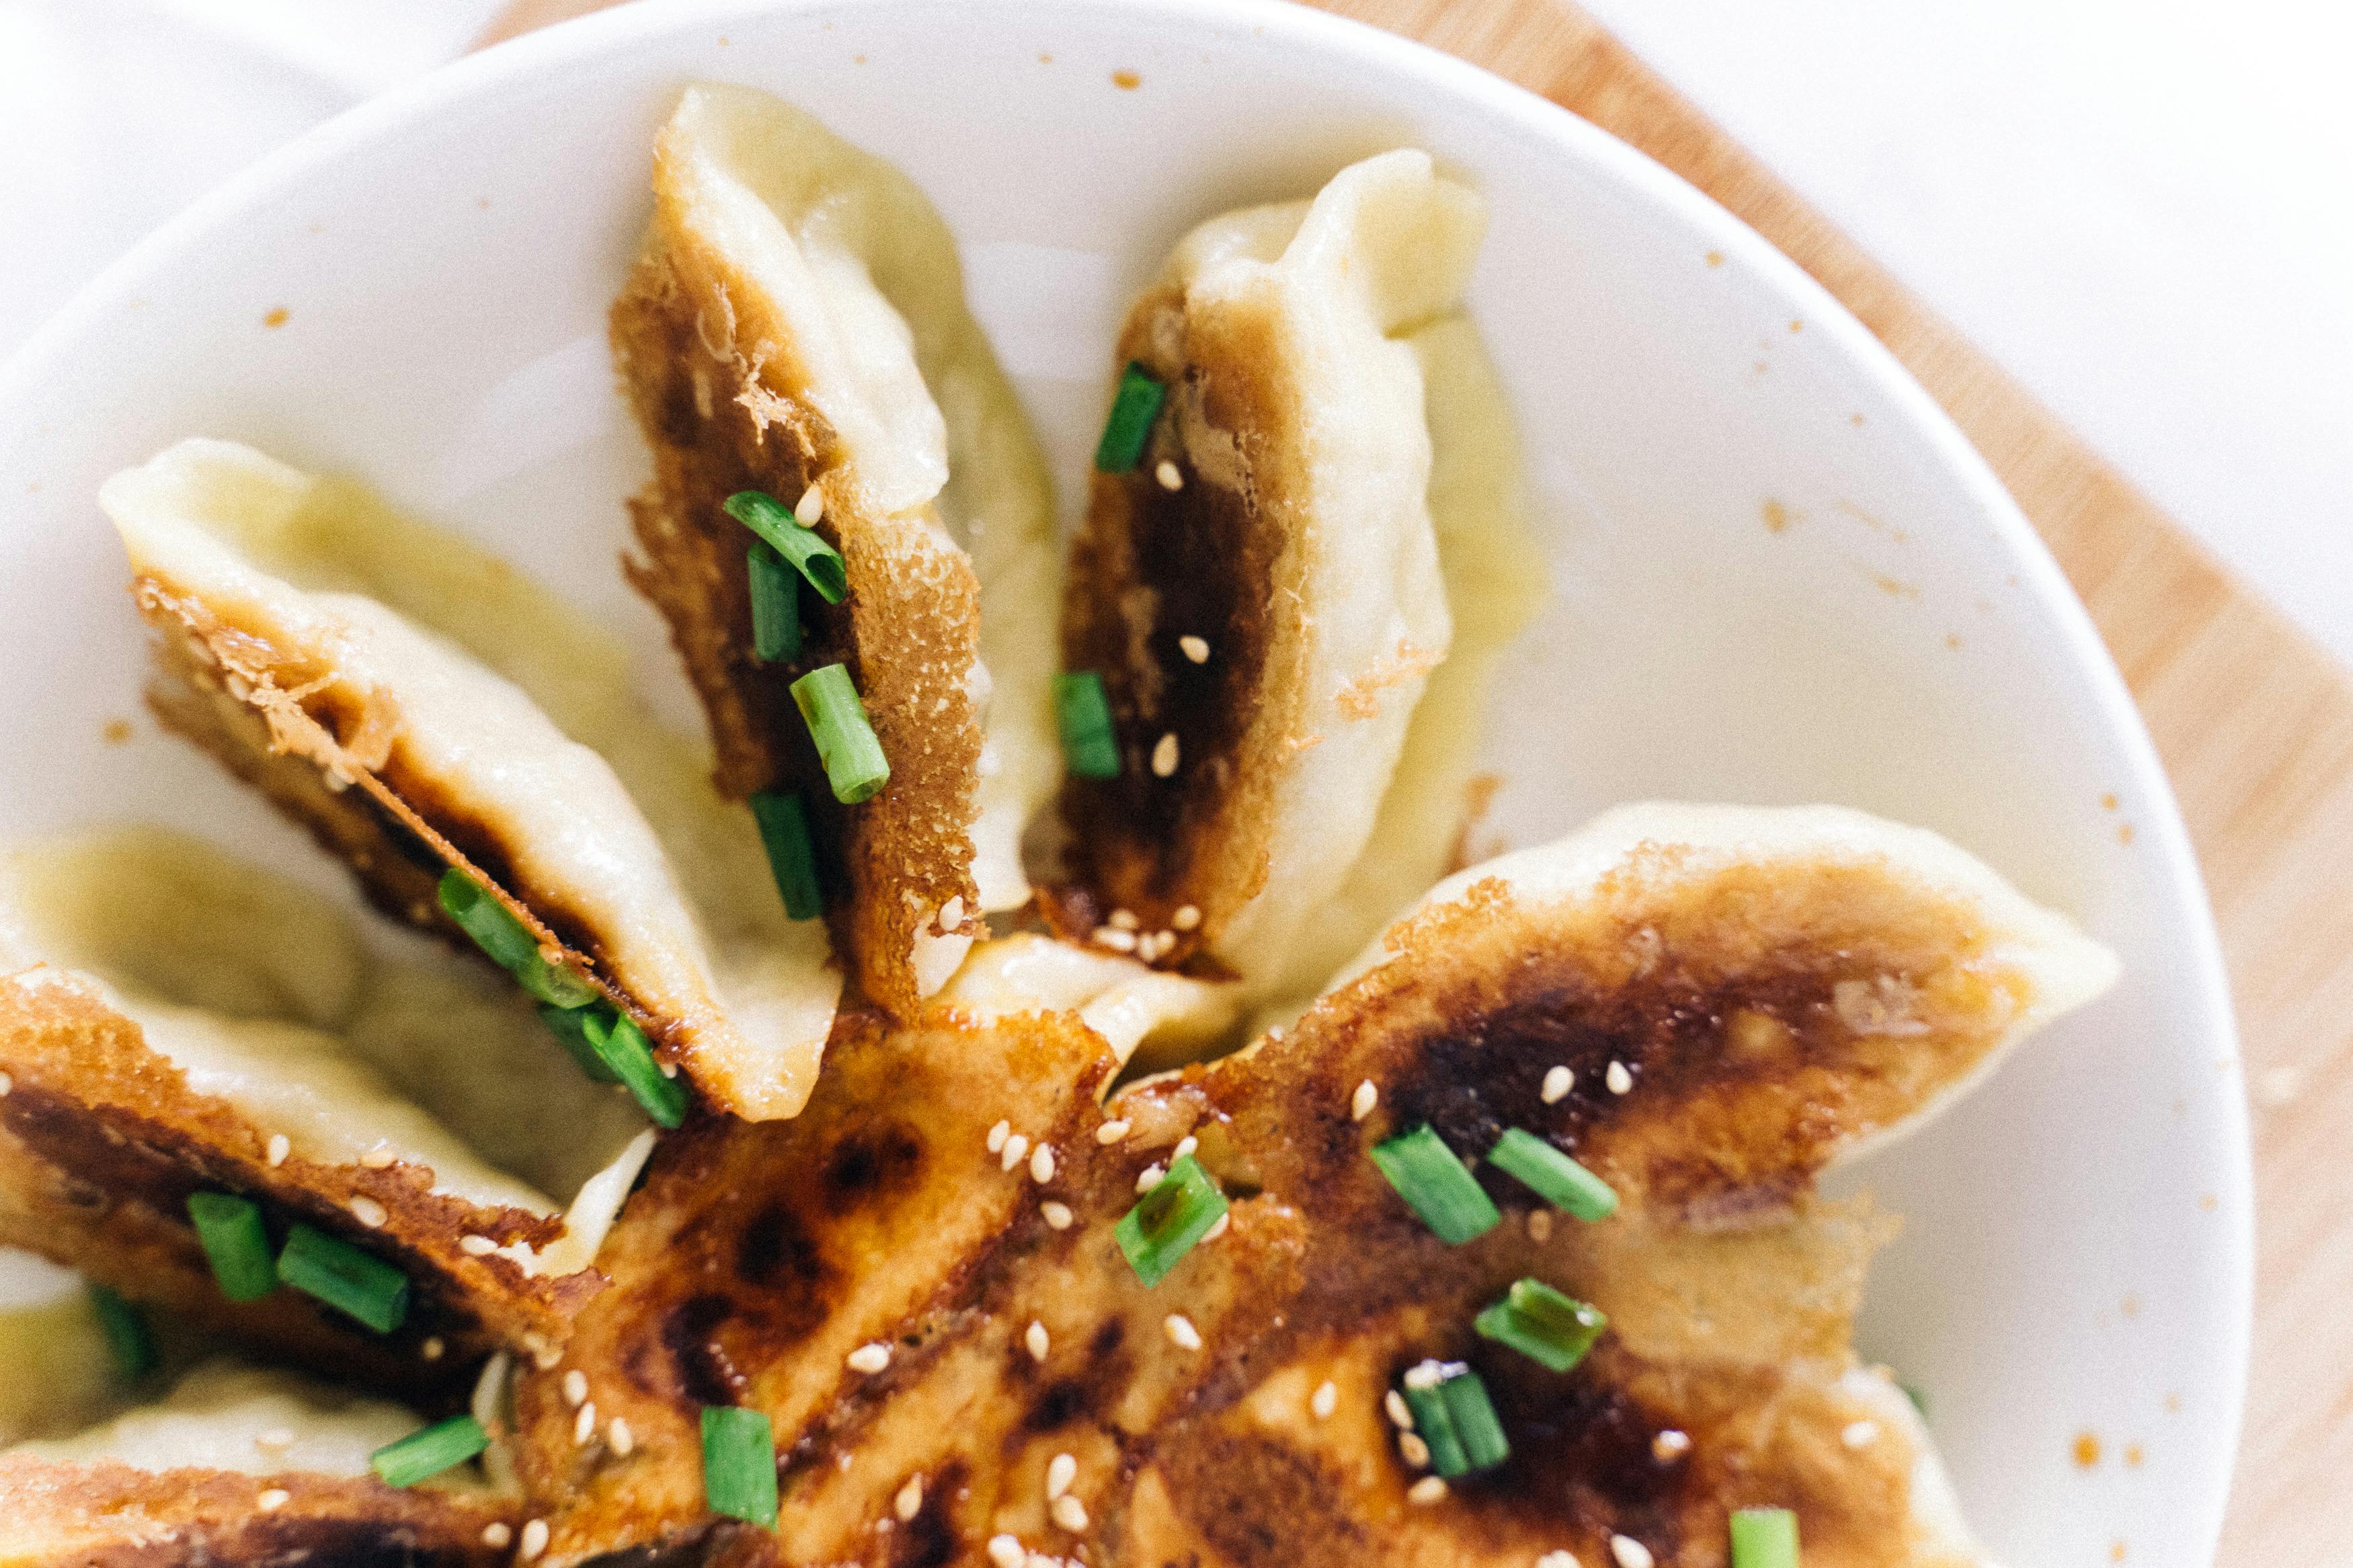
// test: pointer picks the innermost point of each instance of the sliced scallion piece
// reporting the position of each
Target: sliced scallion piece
(1476, 1426)
(511, 946)
(570, 1026)
(1433, 1422)
(344, 1278)
(739, 1464)
(1764, 1537)
(423, 1454)
(1442, 1189)
(126, 1333)
(1168, 1220)
(853, 759)
(792, 854)
(1089, 745)
(623, 1047)
(1542, 1324)
(229, 1229)
(1133, 409)
(773, 521)
(775, 605)
(1556, 1178)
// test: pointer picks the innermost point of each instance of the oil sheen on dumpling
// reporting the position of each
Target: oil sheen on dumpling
(415, 701)
(796, 318)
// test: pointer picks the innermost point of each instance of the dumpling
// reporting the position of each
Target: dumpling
(1292, 581)
(796, 326)
(421, 707)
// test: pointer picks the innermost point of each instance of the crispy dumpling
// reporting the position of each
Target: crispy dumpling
(420, 706)
(1266, 591)
(795, 324)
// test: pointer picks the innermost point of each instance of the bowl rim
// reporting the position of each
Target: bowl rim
(602, 35)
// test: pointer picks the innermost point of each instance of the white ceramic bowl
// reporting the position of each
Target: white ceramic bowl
(1781, 574)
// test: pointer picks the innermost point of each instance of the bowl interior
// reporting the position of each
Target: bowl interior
(1778, 575)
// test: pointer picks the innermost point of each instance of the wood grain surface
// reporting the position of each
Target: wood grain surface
(2255, 722)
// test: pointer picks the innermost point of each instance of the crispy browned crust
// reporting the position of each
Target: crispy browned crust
(112, 1516)
(87, 1096)
(715, 388)
(1216, 558)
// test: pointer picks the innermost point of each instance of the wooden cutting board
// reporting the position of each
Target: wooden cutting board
(2255, 722)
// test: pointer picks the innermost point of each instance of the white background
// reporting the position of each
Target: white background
(2143, 208)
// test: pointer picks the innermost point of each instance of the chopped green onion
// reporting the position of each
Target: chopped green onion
(127, 1335)
(1476, 1426)
(410, 1459)
(853, 759)
(1089, 748)
(773, 521)
(1133, 409)
(1168, 1220)
(1557, 1179)
(1542, 1324)
(1434, 1423)
(511, 946)
(1764, 1537)
(570, 1026)
(775, 605)
(1442, 1189)
(623, 1047)
(792, 856)
(229, 1229)
(344, 1278)
(739, 1464)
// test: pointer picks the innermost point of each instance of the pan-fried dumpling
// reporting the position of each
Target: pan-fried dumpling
(796, 326)
(420, 706)
(1264, 589)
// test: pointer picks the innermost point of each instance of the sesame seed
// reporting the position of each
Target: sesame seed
(368, 1212)
(810, 507)
(1014, 1148)
(432, 1348)
(1070, 1514)
(1416, 1451)
(1361, 1103)
(1181, 1331)
(1670, 1445)
(496, 1534)
(1041, 1165)
(997, 1136)
(870, 1358)
(1164, 755)
(1149, 1177)
(1125, 919)
(1555, 1085)
(279, 1147)
(1558, 1560)
(1424, 1374)
(377, 1158)
(576, 1388)
(1058, 1215)
(1061, 1471)
(1217, 1225)
(1118, 940)
(1540, 1225)
(583, 1426)
(1038, 1339)
(667, 1068)
(546, 1356)
(1184, 1146)
(1187, 918)
(1005, 1551)
(1112, 1131)
(1426, 1490)
(619, 1435)
(1630, 1552)
(1325, 1400)
(1619, 1080)
(276, 1440)
(534, 1538)
(477, 1245)
(273, 1500)
(1196, 649)
(1859, 1433)
(910, 1500)
(1400, 1413)
(7, 1085)
(1170, 476)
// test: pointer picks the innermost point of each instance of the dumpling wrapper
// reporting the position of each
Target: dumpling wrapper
(415, 701)
(796, 318)
(1317, 758)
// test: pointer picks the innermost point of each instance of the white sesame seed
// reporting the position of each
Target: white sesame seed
(1149, 1177)
(1170, 476)
(1038, 1339)
(1125, 919)
(1361, 1103)
(1118, 940)
(546, 1356)
(1184, 1146)
(667, 1068)
(1164, 755)
(1416, 1451)
(1619, 1080)
(1181, 1333)
(1041, 1165)
(576, 1388)
(1400, 1413)
(432, 1348)
(1112, 1131)
(1325, 1399)
(997, 1135)
(1859, 1433)
(535, 1540)
(377, 1158)
(496, 1534)
(1061, 1471)
(1048, 1560)
(368, 1212)
(1630, 1552)
(1014, 1148)
(1426, 1490)
(1424, 1374)
(477, 1245)
(618, 1436)
(910, 1500)
(1196, 649)
(1187, 918)
(276, 1440)
(583, 1426)
(1070, 1514)
(1005, 1551)
(1540, 1225)
(279, 1147)
(273, 1500)
(1557, 1085)
(1219, 1225)
(7, 1085)
(810, 507)
(870, 1358)
(1670, 1445)
(1558, 1560)
(1058, 1215)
